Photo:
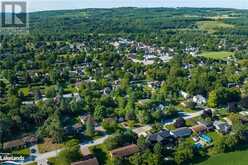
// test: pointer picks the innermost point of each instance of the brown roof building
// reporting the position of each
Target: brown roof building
(30, 139)
(13, 144)
(124, 151)
(92, 161)
(198, 128)
(26, 141)
(86, 153)
(85, 118)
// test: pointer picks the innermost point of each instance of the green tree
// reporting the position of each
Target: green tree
(141, 142)
(110, 125)
(112, 142)
(71, 153)
(90, 128)
(50, 92)
(99, 112)
(219, 145)
(144, 117)
(184, 153)
(213, 99)
(158, 149)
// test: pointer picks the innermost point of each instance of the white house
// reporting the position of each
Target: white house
(184, 94)
(222, 127)
(199, 100)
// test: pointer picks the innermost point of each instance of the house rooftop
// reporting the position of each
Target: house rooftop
(159, 136)
(222, 127)
(181, 132)
(77, 126)
(205, 123)
(20, 142)
(85, 151)
(92, 161)
(13, 144)
(124, 151)
(30, 139)
(198, 128)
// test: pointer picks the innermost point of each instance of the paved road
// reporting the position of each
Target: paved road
(186, 116)
(139, 130)
(95, 142)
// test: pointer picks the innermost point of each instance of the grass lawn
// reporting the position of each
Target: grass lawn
(232, 158)
(182, 108)
(52, 160)
(217, 55)
(48, 146)
(22, 152)
(222, 112)
(214, 135)
(213, 26)
(34, 163)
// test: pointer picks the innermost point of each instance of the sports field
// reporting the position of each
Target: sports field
(217, 55)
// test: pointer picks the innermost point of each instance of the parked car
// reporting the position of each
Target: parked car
(195, 138)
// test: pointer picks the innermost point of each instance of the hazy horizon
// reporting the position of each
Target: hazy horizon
(44, 5)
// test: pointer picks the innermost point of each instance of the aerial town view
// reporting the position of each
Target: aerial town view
(123, 82)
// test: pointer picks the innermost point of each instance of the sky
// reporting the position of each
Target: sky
(41, 5)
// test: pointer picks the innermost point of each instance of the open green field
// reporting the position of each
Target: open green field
(213, 26)
(232, 158)
(217, 55)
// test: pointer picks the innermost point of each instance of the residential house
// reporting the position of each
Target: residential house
(154, 84)
(198, 128)
(20, 143)
(163, 137)
(78, 128)
(74, 129)
(199, 100)
(244, 120)
(181, 132)
(92, 161)
(229, 122)
(244, 113)
(222, 127)
(86, 153)
(207, 124)
(14, 144)
(85, 118)
(161, 107)
(30, 140)
(124, 151)
(88, 158)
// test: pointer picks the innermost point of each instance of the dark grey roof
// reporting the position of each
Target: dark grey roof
(159, 136)
(224, 127)
(205, 123)
(182, 132)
